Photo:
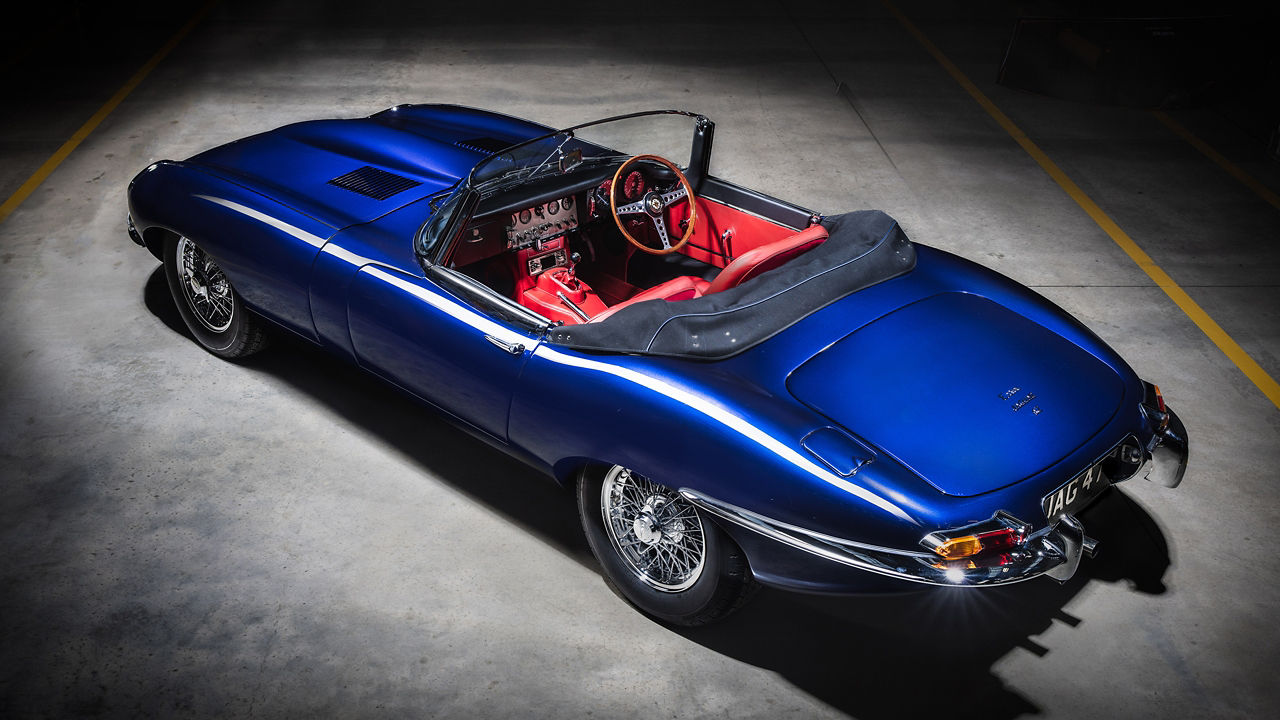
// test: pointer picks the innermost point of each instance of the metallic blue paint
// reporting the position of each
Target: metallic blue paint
(414, 334)
(428, 144)
(266, 248)
(1003, 398)
(912, 367)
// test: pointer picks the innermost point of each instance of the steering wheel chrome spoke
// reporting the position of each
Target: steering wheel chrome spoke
(670, 197)
(660, 225)
(634, 208)
(654, 204)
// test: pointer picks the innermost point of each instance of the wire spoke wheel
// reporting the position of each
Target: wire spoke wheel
(655, 531)
(657, 550)
(210, 307)
(204, 287)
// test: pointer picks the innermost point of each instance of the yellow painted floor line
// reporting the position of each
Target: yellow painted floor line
(1231, 168)
(1207, 325)
(33, 182)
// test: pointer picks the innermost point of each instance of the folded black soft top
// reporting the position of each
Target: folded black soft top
(863, 248)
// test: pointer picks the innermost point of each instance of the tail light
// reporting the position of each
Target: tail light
(990, 542)
(1153, 403)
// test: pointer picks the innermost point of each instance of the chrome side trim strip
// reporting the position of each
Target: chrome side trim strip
(1044, 551)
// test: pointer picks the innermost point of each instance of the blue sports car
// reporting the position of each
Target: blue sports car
(739, 389)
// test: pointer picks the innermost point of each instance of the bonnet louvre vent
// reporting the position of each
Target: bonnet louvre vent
(484, 145)
(374, 183)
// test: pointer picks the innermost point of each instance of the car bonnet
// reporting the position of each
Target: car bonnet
(344, 172)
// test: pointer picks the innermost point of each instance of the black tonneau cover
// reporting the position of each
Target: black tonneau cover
(863, 248)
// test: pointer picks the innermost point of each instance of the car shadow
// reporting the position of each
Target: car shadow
(470, 465)
(928, 652)
(931, 652)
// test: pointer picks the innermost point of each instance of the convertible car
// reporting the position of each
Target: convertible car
(740, 390)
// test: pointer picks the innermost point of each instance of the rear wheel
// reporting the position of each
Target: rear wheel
(208, 304)
(658, 551)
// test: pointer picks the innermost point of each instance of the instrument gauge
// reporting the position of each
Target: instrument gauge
(566, 203)
(553, 207)
(525, 216)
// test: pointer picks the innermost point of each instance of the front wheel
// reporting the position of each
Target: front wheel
(658, 551)
(207, 303)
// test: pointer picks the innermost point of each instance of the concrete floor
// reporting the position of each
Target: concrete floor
(289, 538)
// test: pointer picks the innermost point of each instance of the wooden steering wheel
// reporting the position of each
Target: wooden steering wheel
(653, 205)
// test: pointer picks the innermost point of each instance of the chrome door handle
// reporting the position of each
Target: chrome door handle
(514, 348)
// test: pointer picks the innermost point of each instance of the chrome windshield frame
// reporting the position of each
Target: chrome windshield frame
(461, 199)
(698, 155)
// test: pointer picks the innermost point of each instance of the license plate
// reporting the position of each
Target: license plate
(1075, 494)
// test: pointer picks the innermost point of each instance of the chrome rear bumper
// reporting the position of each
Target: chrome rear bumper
(1054, 551)
(1169, 449)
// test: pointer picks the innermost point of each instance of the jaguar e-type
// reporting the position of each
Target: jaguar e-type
(739, 389)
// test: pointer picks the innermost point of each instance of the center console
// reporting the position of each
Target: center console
(545, 281)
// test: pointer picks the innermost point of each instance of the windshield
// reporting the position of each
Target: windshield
(682, 137)
(668, 133)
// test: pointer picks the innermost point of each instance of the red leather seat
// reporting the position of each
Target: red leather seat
(746, 266)
(685, 287)
(766, 257)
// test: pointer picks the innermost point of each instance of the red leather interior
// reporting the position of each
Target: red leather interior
(767, 257)
(549, 306)
(747, 265)
(742, 244)
(710, 244)
(542, 298)
(685, 287)
(520, 264)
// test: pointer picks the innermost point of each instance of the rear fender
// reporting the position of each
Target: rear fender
(714, 437)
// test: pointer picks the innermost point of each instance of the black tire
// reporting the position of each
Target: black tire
(223, 325)
(721, 585)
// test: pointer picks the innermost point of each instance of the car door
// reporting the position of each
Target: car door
(444, 338)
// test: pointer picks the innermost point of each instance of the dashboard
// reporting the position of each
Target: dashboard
(532, 234)
(541, 222)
